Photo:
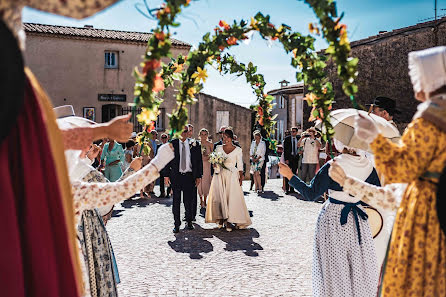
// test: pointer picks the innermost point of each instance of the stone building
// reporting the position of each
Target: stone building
(91, 69)
(383, 65)
(289, 107)
(211, 113)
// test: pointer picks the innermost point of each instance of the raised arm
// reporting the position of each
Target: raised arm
(318, 185)
(92, 195)
(408, 160)
(388, 197)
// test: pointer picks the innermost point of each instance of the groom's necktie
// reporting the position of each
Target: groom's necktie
(183, 156)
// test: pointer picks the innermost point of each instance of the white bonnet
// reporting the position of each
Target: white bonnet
(427, 69)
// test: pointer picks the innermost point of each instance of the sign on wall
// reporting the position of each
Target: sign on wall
(112, 97)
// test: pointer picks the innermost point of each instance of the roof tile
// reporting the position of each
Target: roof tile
(94, 33)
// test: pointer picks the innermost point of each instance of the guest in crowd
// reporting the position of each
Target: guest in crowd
(257, 157)
(206, 148)
(190, 129)
(263, 176)
(416, 259)
(310, 154)
(164, 139)
(344, 259)
(128, 154)
(384, 107)
(112, 156)
(291, 154)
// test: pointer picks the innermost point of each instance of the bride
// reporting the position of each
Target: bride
(226, 203)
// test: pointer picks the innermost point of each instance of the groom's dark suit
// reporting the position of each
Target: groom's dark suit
(184, 182)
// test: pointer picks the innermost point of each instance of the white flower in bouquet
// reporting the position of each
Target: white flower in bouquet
(217, 158)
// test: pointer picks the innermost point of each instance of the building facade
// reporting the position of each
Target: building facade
(383, 66)
(91, 69)
(289, 107)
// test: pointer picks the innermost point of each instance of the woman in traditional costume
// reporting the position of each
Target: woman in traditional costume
(416, 259)
(40, 258)
(344, 259)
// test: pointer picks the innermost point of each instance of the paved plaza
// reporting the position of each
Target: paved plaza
(271, 258)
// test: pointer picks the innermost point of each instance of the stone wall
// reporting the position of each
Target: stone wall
(203, 114)
(383, 66)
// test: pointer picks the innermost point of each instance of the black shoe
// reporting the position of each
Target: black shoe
(287, 192)
(190, 226)
(176, 229)
(162, 196)
(184, 219)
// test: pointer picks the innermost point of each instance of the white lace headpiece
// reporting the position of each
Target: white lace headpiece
(427, 69)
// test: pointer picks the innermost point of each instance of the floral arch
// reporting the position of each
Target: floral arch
(191, 73)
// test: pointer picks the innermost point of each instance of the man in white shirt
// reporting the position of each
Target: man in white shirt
(291, 154)
(310, 156)
(184, 173)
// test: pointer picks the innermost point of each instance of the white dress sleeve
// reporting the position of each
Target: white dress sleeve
(240, 159)
(93, 195)
(387, 197)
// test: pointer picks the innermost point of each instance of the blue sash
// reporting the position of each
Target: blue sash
(351, 207)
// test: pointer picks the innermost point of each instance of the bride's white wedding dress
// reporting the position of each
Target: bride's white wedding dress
(226, 200)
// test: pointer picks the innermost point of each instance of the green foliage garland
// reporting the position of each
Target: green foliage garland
(310, 65)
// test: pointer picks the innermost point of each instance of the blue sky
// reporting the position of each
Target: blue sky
(363, 18)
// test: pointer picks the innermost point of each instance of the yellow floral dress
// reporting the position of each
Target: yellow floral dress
(416, 263)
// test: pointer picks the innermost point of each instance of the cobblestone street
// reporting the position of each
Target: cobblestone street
(271, 258)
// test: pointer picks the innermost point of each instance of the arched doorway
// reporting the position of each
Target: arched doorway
(109, 111)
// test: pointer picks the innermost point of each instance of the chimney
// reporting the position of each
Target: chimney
(283, 83)
(382, 32)
(88, 26)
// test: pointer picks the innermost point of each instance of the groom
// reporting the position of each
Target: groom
(184, 173)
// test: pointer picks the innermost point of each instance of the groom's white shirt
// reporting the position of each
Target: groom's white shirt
(187, 149)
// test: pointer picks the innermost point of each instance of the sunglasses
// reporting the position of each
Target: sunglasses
(164, 137)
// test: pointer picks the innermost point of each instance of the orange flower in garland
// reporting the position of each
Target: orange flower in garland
(224, 25)
(221, 47)
(150, 65)
(160, 36)
(158, 83)
(231, 40)
(260, 110)
(311, 97)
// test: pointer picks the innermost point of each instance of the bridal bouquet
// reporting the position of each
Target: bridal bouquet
(218, 159)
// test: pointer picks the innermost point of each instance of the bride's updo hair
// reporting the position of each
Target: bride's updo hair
(229, 133)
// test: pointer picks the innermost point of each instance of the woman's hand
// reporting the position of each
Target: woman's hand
(136, 164)
(93, 152)
(119, 129)
(285, 170)
(337, 173)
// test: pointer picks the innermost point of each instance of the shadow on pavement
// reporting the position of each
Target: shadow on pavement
(147, 201)
(193, 242)
(270, 195)
(240, 240)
